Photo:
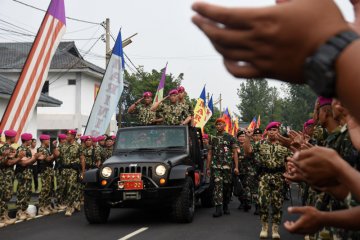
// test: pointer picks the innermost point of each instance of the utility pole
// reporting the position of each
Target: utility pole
(208, 97)
(220, 101)
(107, 41)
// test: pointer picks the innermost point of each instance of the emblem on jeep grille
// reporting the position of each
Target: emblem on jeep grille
(133, 165)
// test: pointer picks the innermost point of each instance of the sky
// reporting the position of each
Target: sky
(165, 34)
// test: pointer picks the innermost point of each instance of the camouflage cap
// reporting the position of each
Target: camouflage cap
(258, 131)
(241, 132)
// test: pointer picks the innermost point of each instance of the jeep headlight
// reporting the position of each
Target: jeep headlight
(106, 172)
(160, 170)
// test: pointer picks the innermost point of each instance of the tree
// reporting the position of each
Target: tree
(256, 97)
(299, 104)
(140, 82)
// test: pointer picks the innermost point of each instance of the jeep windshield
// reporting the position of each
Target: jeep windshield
(151, 138)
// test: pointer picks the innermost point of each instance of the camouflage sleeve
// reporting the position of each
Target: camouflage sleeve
(160, 111)
(234, 143)
(191, 109)
(137, 109)
(209, 146)
(97, 154)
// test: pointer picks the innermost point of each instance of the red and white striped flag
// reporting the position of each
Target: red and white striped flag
(28, 88)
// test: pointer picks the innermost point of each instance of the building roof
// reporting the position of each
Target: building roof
(13, 56)
(7, 87)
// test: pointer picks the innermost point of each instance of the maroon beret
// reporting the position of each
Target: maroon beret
(44, 137)
(273, 125)
(94, 139)
(220, 120)
(62, 136)
(147, 94)
(26, 136)
(324, 101)
(174, 91)
(101, 138)
(10, 133)
(72, 132)
(181, 89)
(205, 136)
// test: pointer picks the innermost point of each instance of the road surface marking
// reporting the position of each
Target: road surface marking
(38, 216)
(130, 235)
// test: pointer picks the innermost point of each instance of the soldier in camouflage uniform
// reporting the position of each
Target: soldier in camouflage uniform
(60, 181)
(98, 150)
(45, 163)
(7, 171)
(171, 113)
(89, 157)
(143, 110)
(108, 150)
(254, 169)
(244, 174)
(24, 177)
(71, 171)
(185, 104)
(271, 157)
(222, 158)
(340, 141)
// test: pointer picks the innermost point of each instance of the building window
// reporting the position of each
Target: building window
(45, 89)
(71, 81)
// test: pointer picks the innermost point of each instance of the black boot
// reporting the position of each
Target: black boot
(218, 211)
(226, 209)
(247, 206)
(241, 206)
(256, 209)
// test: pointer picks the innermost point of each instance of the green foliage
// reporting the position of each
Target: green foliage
(299, 105)
(257, 97)
(140, 82)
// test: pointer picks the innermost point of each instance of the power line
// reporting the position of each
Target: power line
(70, 18)
(71, 67)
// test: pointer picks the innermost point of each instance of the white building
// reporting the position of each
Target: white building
(72, 80)
(6, 88)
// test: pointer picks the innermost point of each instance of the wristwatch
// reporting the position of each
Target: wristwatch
(319, 69)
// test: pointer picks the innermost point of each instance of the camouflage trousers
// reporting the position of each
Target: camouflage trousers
(60, 186)
(47, 186)
(222, 185)
(24, 189)
(245, 195)
(71, 186)
(271, 195)
(80, 192)
(7, 187)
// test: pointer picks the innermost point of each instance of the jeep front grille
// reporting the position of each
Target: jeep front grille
(145, 171)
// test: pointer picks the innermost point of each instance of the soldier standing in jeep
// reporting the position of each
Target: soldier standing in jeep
(222, 153)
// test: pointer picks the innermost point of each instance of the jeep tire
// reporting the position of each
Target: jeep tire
(183, 207)
(95, 210)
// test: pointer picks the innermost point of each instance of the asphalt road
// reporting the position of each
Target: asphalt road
(143, 224)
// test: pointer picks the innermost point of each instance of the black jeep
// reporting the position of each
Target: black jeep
(150, 166)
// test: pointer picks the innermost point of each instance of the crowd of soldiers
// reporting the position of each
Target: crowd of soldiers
(255, 166)
(63, 161)
(260, 163)
(176, 111)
